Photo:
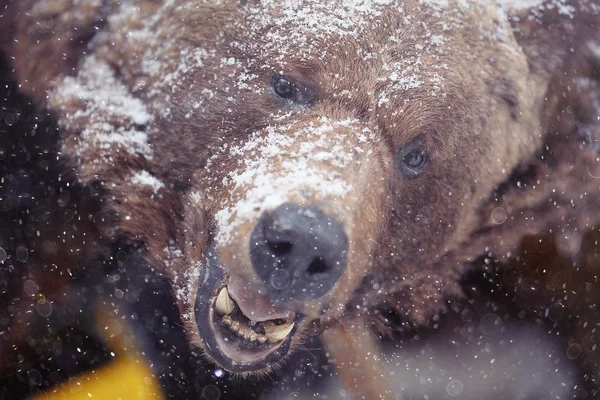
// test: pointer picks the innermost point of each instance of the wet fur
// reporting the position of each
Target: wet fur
(417, 264)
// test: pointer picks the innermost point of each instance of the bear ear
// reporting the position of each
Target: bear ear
(561, 40)
(551, 32)
(556, 189)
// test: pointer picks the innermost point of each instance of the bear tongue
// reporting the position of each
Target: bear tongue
(254, 306)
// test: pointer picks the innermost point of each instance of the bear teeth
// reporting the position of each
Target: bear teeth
(276, 333)
(242, 331)
(226, 320)
(273, 333)
(224, 304)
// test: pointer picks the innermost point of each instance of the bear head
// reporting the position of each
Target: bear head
(295, 165)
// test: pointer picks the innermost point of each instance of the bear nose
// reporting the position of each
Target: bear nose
(299, 253)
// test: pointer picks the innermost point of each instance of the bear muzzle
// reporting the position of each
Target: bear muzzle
(298, 255)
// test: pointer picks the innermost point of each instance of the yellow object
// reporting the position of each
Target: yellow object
(122, 379)
(128, 376)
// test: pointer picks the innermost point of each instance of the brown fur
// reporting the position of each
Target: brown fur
(501, 111)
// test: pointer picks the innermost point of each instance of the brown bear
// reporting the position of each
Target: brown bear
(300, 165)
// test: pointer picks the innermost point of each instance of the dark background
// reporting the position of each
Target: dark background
(56, 271)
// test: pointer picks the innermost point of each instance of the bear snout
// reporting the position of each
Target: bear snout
(299, 253)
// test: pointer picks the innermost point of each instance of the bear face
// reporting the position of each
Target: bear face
(360, 136)
(295, 167)
(302, 132)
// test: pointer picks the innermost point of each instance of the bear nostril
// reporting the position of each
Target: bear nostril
(301, 248)
(317, 266)
(280, 249)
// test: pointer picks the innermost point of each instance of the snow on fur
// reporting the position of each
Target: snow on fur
(272, 19)
(144, 178)
(108, 116)
(298, 154)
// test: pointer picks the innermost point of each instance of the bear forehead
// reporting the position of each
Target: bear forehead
(407, 45)
(195, 66)
(307, 29)
(391, 51)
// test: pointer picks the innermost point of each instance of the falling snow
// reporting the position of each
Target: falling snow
(508, 341)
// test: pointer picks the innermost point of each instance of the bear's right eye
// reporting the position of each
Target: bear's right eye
(283, 88)
(292, 91)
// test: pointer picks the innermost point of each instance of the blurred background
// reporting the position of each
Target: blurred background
(74, 301)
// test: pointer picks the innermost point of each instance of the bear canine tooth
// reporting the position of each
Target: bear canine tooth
(224, 304)
(226, 320)
(276, 333)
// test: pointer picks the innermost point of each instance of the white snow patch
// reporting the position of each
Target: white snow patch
(109, 116)
(143, 177)
(437, 5)
(594, 48)
(190, 279)
(80, 10)
(173, 252)
(287, 160)
(190, 59)
(291, 27)
(519, 5)
(537, 7)
(196, 198)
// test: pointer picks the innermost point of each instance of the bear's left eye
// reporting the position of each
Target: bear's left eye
(412, 159)
(415, 159)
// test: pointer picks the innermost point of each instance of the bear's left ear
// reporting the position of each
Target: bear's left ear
(558, 188)
(561, 40)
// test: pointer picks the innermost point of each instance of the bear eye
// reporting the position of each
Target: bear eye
(284, 88)
(412, 159)
(292, 91)
(415, 159)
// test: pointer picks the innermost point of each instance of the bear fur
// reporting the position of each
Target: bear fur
(168, 108)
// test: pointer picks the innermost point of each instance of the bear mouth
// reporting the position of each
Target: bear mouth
(241, 330)
(247, 327)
